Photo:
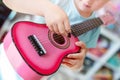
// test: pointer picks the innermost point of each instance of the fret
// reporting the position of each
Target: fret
(80, 28)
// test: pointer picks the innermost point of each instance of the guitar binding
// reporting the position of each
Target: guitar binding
(37, 45)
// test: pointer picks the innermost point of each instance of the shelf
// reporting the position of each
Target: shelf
(99, 63)
(110, 66)
(112, 36)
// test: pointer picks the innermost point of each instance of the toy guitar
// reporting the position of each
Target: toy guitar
(32, 49)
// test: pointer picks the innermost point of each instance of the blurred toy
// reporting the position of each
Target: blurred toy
(103, 74)
(88, 63)
(115, 60)
(101, 48)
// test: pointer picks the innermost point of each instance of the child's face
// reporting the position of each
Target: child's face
(91, 5)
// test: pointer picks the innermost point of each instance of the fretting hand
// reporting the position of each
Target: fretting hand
(107, 18)
(75, 61)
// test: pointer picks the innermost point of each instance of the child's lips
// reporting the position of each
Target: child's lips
(87, 6)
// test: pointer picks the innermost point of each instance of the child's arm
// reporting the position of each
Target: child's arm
(56, 19)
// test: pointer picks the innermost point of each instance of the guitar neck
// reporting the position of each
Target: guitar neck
(80, 28)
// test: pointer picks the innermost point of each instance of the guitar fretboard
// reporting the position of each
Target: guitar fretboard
(80, 28)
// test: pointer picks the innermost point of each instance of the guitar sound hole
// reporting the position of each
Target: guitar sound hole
(59, 39)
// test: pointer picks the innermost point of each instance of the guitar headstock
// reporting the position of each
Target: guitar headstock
(107, 18)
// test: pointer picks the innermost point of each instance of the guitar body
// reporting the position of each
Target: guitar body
(33, 50)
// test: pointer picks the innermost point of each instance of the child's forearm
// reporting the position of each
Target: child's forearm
(35, 7)
(59, 24)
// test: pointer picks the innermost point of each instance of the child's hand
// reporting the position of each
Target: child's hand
(57, 20)
(108, 18)
(75, 61)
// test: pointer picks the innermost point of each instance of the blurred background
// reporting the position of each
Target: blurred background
(101, 63)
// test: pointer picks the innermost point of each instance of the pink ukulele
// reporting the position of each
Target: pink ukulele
(33, 50)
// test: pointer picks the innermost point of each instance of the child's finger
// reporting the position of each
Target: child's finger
(56, 29)
(61, 28)
(82, 52)
(83, 48)
(70, 61)
(67, 26)
(74, 56)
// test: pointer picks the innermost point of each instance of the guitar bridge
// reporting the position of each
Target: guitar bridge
(37, 45)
